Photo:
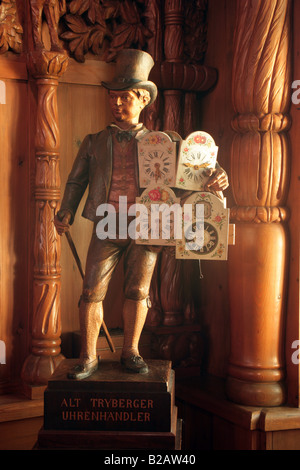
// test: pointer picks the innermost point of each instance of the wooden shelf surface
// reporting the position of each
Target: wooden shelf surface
(17, 407)
(209, 394)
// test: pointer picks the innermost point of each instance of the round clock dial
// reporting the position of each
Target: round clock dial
(161, 227)
(210, 238)
(194, 164)
(157, 165)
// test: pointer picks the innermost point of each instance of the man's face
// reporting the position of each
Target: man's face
(126, 106)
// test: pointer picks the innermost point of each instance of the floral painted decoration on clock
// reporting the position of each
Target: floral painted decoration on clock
(157, 159)
(198, 153)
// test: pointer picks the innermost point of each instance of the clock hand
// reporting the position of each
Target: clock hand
(196, 167)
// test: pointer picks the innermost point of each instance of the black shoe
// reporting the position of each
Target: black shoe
(82, 371)
(135, 364)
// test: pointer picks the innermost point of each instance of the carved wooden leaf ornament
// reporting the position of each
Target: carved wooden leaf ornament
(95, 11)
(81, 38)
(96, 39)
(126, 35)
(10, 30)
(104, 27)
(76, 25)
(131, 31)
(111, 8)
(79, 6)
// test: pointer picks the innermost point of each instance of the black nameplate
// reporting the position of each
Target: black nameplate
(126, 402)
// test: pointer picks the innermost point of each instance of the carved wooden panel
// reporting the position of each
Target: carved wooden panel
(11, 31)
(104, 27)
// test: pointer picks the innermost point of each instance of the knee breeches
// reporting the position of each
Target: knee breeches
(102, 259)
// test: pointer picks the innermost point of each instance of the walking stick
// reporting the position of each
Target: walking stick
(78, 262)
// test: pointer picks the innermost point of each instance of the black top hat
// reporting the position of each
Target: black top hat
(132, 70)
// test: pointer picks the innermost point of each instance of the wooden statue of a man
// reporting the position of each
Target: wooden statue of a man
(107, 163)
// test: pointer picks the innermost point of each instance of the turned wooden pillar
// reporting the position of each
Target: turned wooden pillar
(45, 67)
(173, 49)
(171, 291)
(259, 180)
(153, 15)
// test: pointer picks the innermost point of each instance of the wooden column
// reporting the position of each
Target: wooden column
(260, 176)
(45, 355)
(153, 15)
(173, 49)
(172, 289)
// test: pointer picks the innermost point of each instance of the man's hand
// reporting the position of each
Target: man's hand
(218, 180)
(62, 226)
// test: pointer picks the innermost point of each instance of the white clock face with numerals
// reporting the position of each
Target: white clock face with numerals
(197, 153)
(156, 223)
(157, 166)
(194, 165)
(157, 160)
(212, 242)
(159, 227)
(209, 241)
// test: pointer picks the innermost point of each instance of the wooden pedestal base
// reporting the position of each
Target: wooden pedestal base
(33, 392)
(255, 393)
(112, 440)
(112, 409)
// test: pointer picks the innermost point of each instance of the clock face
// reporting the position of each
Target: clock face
(210, 240)
(159, 227)
(156, 222)
(157, 160)
(205, 234)
(197, 153)
(193, 165)
(157, 166)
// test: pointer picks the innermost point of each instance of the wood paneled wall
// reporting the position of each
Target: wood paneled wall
(15, 210)
(83, 109)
